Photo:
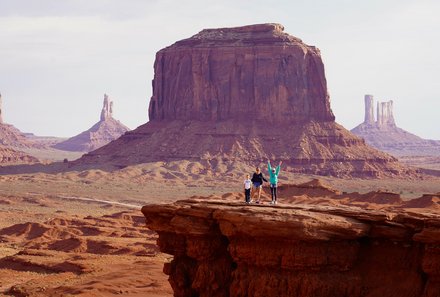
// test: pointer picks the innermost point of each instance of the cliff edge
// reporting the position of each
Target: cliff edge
(227, 249)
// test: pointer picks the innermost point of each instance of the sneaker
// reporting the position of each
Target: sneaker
(258, 201)
(276, 202)
(272, 202)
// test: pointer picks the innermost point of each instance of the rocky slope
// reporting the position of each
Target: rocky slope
(12, 137)
(244, 94)
(103, 132)
(385, 135)
(11, 156)
(224, 248)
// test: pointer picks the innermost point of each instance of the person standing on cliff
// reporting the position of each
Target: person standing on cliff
(257, 180)
(247, 189)
(273, 173)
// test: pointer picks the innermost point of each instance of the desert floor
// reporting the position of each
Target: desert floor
(82, 232)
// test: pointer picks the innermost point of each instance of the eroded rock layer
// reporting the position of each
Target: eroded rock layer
(11, 156)
(228, 249)
(244, 94)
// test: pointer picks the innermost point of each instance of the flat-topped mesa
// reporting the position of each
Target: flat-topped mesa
(369, 111)
(254, 72)
(107, 109)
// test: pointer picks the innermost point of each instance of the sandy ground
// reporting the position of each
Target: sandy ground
(82, 233)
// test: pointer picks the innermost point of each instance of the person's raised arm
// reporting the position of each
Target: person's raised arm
(268, 165)
(279, 168)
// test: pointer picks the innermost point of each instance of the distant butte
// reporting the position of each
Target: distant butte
(383, 133)
(11, 136)
(103, 132)
(242, 95)
(11, 141)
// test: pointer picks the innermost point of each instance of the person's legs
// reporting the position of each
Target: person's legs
(259, 192)
(272, 192)
(275, 193)
(247, 193)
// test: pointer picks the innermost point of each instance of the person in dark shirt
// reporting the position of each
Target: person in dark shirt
(257, 181)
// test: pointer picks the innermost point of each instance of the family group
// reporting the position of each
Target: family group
(256, 184)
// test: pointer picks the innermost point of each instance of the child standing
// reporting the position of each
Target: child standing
(273, 180)
(247, 189)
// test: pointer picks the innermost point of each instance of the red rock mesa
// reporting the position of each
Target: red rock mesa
(243, 95)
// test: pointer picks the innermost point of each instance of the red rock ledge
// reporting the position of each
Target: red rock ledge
(228, 249)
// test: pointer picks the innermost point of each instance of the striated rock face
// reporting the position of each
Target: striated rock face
(245, 73)
(228, 249)
(384, 135)
(100, 134)
(244, 94)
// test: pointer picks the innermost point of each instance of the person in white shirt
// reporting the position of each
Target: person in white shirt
(247, 189)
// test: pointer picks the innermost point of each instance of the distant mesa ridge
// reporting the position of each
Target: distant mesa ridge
(383, 133)
(10, 139)
(103, 132)
(244, 94)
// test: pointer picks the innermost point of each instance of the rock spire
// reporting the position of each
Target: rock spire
(369, 111)
(384, 113)
(103, 132)
(384, 134)
(385, 117)
(107, 109)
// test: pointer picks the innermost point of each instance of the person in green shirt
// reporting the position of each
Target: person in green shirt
(273, 180)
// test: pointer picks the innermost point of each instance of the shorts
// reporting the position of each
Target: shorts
(257, 184)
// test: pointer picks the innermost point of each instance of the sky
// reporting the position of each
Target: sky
(59, 57)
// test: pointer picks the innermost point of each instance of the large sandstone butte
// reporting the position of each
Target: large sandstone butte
(383, 133)
(243, 95)
(103, 132)
(228, 249)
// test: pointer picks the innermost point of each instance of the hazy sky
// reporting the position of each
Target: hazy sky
(58, 57)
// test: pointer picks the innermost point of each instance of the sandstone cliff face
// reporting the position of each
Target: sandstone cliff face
(246, 73)
(100, 134)
(227, 249)
(385, 135)
(244, 95)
